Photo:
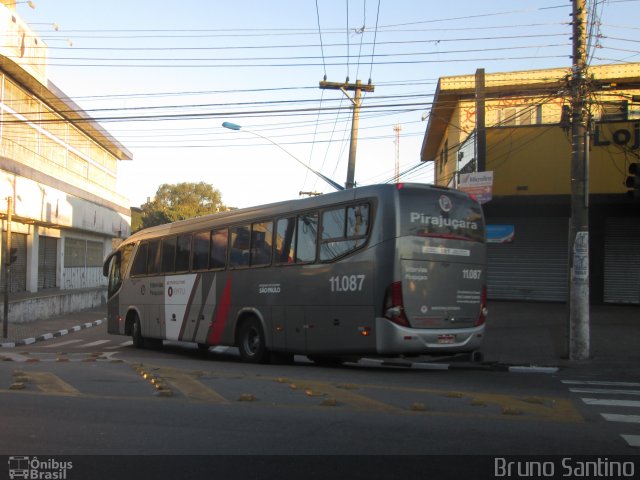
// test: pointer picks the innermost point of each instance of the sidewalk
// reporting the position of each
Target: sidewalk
(527, 333)
(517, 333)
(19, 334)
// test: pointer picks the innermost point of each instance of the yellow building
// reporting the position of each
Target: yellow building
(528, 149)
(58, 172)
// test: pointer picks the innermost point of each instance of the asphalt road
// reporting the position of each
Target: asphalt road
(91, 393)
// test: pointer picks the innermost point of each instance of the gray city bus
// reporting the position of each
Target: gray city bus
(382, 270)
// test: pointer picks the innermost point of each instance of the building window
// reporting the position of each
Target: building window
(615, 111)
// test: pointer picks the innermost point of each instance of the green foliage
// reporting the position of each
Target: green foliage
(181, 201)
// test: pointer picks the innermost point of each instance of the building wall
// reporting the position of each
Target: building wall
(529, 146)
(59, 168)
(528, 141)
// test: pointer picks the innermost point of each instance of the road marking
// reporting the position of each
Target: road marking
(51, 384)
(601, 383)
(632, 440)
(606, 391)
(120, 345)
(14, 357)
(189, 386)
(611, 403)
(93, 344)
(320, 388)
(615, 417)
(59, 344)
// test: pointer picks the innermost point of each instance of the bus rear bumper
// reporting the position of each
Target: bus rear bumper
(393, 339)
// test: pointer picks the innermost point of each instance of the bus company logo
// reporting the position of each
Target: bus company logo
(36, 469)
(445, 204)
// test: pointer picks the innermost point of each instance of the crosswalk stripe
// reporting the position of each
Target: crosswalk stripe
(615, 417)
(59, 344)
(93, 344)
(611, 403)
(607, 391)
(632, 440)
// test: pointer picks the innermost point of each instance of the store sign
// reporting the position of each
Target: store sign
(477, 184)
(500, 233)
(623, 137)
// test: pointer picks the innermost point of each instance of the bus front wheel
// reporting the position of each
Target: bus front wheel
(136, 333)
(251, 342)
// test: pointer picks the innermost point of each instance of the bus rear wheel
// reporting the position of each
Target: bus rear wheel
(251, 342)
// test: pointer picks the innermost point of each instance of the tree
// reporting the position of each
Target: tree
(181, 201)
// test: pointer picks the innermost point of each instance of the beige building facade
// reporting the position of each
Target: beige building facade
(58, 167)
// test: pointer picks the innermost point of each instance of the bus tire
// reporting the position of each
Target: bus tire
(251, 342)
(136, 333)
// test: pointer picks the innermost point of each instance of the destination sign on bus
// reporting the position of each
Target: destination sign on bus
(440, 221)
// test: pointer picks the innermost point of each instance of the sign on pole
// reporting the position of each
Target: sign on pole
(477, 184)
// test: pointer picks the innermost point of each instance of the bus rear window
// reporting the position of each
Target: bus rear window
(443, 214)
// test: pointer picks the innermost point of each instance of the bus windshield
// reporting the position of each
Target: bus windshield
(443, 214)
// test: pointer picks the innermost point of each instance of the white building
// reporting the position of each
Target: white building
(58, 167)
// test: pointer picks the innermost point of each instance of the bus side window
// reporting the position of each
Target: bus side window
(139, 266)
(218, 256)
(240, 245)
(285, 240)
(168, 255)
(307, 237)
(261, 242)
(357, 220)
(342, 233)
(200, 259)
(153, 257)
(183, 253)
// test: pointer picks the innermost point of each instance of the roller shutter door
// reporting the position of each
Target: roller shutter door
(532, 267)
(47, 262)
(622, 261)
(18, 280)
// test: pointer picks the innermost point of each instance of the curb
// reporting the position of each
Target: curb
(489, 366)
(49, 336)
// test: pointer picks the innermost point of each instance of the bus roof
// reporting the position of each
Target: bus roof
(288, 206)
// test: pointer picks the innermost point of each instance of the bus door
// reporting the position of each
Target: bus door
(178, 294)
(112, 268)
(153, 302)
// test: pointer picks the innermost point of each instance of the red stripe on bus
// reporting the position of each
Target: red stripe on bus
(221, 315)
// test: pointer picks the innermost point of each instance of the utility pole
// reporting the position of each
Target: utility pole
(481, 128)
(397, 128)
(7, 269)
(358, 88)
(578, 322)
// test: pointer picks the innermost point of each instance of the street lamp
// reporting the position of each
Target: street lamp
(233, 126)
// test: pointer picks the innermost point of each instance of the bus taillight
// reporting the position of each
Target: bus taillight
(482, 316)
(394, 305)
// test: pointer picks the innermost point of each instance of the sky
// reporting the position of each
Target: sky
(163, 76)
